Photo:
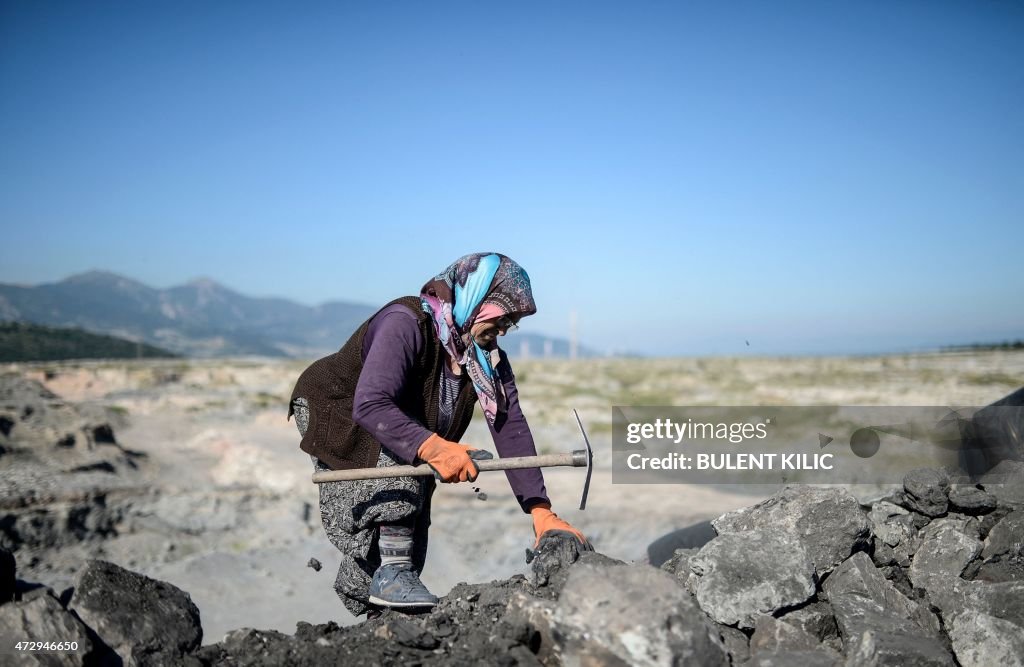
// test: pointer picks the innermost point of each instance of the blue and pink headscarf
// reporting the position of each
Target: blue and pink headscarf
(477, 287)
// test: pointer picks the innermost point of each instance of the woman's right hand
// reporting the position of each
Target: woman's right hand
(450, 461)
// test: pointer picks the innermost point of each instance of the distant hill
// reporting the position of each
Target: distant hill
(985, 347)
(205, 319)
(201, 318)
(21, 341)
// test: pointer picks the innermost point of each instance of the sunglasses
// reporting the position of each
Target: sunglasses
(505, 322)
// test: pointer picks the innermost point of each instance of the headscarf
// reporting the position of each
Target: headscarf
(476, 287)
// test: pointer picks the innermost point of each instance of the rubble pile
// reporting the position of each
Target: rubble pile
(930, 575)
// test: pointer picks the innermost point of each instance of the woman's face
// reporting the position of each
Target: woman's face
(484, 332)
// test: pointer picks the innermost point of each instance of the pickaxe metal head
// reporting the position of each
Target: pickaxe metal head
(589, 455)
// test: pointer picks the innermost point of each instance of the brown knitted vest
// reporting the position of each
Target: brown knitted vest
(329, 386)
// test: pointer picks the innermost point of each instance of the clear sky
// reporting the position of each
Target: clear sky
(815, 177)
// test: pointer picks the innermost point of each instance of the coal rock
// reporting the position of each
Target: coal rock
(638, 616)
(1006, 536)
(999, 569)
(817, 658)
(872, 649)
(827, 522)
(679, 565)
(980, 640)
(735, 642)
(315, 564)
(875, 619)
(971, 500)
(815, 618)
(407, 633)
(28, 591)
(891, 524)
(926, 491)
(141, 619)
(557, 551)
(1003, 600)
(772, 635)
(946, 549)
(739, 576)
(43, 619)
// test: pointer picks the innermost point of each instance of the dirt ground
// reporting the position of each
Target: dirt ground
(224, 508)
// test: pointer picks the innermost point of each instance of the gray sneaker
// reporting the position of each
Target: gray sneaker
(398, 585)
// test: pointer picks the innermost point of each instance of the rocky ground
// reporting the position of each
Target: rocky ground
(187, 473)
(932, 575)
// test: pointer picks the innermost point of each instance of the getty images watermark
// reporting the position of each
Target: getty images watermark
(807, 444)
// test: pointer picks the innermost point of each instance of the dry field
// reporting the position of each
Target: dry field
(223, 506)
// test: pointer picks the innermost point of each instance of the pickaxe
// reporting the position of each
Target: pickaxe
(577, 458)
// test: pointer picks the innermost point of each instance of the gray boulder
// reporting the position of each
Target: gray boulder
(881, 649)
(772, 635)
(864, 602)
(980, 640)
(891, 524)
(818, 658)
(679, 564)
(776, 642)
(739, 576)
(926, 491)
(816, 619)
(827, 521)
(1000, 569)
(1006, 537)
(736, 643)
(971, 500)
(1003, 600)
(895, 536)
(946, 549)
(143, 620)
(535, 616)
(639, 616)
(43, 619)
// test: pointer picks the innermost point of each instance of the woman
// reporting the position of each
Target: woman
(402, 391)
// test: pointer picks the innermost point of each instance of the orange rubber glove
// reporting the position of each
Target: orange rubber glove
(544, 520)
(450, 461)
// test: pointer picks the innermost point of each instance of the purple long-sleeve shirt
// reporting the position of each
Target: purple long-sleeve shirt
(390, 347)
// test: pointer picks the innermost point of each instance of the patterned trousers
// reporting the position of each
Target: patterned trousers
(352, 513)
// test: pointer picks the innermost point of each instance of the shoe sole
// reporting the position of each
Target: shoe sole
(385, 603)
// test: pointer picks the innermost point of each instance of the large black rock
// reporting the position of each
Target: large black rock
(143, 620)
(994, 434)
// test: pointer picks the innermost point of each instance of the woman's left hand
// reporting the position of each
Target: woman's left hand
(544, 520)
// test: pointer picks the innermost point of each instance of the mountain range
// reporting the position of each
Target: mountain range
(205, 319)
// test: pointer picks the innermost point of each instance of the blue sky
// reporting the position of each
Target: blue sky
(814, 177)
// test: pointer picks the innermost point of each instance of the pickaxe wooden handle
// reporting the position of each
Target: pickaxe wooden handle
(577, 458)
